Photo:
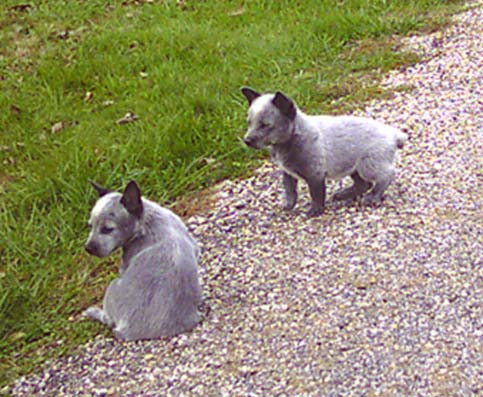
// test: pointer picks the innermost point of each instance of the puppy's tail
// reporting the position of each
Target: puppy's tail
(401, 139)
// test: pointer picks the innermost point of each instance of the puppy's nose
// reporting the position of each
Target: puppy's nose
(248, 141)
(91, 248)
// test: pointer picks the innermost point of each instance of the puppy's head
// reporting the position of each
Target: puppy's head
(115, 219)
(270, 118)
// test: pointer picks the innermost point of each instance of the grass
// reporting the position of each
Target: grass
(178, 66)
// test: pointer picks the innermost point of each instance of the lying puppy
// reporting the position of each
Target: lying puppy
(314, 148)
(157, 293)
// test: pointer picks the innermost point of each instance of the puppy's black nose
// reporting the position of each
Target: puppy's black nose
(249, 141)
(91, 248)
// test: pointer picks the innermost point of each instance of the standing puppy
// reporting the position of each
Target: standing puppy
(314, 148)
(157, 293)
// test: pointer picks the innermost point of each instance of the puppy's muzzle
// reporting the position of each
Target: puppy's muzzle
(92, 248)
(251, 142)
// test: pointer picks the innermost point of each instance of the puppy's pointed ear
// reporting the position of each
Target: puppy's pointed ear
(131, 199)
(250, 94)
(99, 189)
(285, 105)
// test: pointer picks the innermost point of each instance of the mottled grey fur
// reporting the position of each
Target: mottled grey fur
(157, 293)
(314, 148)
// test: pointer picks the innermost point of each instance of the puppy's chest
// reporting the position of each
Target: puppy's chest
(291, 162)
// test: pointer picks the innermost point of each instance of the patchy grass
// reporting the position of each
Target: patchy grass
(69, 70)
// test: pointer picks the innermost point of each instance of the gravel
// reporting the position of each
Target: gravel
(384, 301)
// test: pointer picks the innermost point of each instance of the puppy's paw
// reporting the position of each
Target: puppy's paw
(120, 334)
(345, 194)
(288, 206)
(371, 200)
(94, 313)
(315, 211)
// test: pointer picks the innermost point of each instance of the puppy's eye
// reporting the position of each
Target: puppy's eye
(106, 230)
(264, 125)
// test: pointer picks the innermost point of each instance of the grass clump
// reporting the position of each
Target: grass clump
(69, 70)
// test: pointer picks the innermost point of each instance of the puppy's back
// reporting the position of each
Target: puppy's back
(164, 222)
(159, 291)
(356, 133)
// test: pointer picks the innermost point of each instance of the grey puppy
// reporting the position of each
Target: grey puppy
(314, 148)
(157, 293)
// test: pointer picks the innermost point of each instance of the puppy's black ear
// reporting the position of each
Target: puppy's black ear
(131, 199)
(285, 105)
(250, 94)
(101, 190)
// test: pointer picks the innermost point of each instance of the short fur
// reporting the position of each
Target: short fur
(314, 148)
(157, 293)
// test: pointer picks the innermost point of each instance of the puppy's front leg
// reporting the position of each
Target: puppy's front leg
(290, 186)
(317, 193)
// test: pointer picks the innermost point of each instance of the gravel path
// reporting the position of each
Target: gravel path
(381, 301)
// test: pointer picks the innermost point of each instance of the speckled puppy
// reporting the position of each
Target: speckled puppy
(314, 148)
(157, 293)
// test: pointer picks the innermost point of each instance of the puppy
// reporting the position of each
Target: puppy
(314, 148)
(157, 293)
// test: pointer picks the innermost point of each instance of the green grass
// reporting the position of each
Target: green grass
(179, 69)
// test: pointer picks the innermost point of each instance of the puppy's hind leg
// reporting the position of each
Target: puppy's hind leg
(96, 313)
(359, 187)
(121, 333)
(377, 166)
(382, 182)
